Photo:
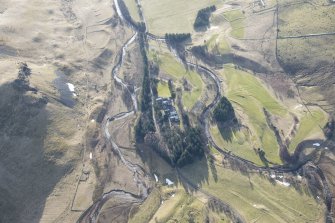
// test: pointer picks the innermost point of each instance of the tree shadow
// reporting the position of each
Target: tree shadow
(211, 161)
(157, 165)
(194, 175)
(191, 176)
(228, 129)
(28, 173)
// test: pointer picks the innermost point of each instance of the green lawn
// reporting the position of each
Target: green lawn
(174, 69)
(163, 90)
(176, 16)
(247, 93)
(310, 124)
(255, 197)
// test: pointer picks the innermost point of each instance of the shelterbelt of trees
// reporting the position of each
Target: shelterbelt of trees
(224, 111)
(177, 38)
(202, 19)
(146, 123)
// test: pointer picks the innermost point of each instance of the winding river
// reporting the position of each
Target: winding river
(92, 213)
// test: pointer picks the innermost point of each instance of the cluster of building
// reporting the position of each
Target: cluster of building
(166, 105)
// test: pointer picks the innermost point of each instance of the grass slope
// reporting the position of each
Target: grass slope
(217, 44)
(247, 93)
(176, 16)
(240, 144)
(174, 69)
(310, 124)
(256, 198)
(133, 10)
(148, 208)
(163, 90)
(305, 18)
(236, 20)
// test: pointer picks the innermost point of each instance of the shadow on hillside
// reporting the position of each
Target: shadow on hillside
(28, 175)
(227, 130)
(197, 174)
(202, 54)
(199, 169)
(156, 165)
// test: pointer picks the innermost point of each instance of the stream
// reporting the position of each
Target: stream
(92, 213)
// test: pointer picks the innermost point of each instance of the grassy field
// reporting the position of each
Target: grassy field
(218, 45)
(178, 206)
(240, 143)
(306, 53)
(173, 68)
(237, 28)
(133, 10)
(247, 93)
(310, 124)
(305, 18)
(233, 15)
(148, 208)
(163, 90)
(175, 16)
(218, 19)
(256, 198)
(236, 20)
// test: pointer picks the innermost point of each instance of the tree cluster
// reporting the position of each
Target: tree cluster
(329, 129)
(172, 89)
(140, 26)
(181, 147)
(177, 38)
(202, 19)
(184, 147)
(145, 123)
(224, 111)
(22, 80)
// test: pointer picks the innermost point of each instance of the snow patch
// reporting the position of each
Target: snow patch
(156, 178)
(70, 86)
(213, 27)
(168, 182)
(316, 144)
(286, 184)
(298, 107)
(91, 156)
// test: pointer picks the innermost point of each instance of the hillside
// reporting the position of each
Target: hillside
(167, 111)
